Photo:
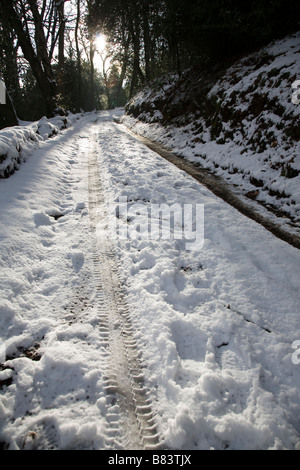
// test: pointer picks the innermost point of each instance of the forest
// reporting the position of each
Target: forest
(51, 60)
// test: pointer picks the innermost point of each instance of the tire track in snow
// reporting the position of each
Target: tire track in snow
(134, 424)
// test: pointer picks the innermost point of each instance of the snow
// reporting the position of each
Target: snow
(253, 149)
(17, 143)
(216, 325)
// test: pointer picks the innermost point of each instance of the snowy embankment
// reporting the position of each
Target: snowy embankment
(18, 143)
(49, 346)
(243, 125)
(217, 326)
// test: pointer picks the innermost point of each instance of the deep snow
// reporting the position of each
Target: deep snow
(216, 325)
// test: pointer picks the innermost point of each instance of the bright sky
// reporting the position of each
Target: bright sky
(100, 44)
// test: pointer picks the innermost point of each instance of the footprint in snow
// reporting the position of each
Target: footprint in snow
(77, 259)
(40, 218)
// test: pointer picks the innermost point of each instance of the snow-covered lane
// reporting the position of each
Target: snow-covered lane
(215, 325)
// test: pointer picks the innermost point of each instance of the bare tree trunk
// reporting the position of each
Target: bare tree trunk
(134, 28)
(40, 39)
(124, 67)
(39, 61)
(106, 81)
(79, 72)
(147, 42)
(92, 74)
(61, 46)
(91, 59)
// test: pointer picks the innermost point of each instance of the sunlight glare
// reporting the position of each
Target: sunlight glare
(101, 60)
(100, 43)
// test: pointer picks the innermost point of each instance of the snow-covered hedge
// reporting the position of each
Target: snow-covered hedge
(18, 143)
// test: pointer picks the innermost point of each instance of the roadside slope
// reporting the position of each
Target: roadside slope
(242, 124)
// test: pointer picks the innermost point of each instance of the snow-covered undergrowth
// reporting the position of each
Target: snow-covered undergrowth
(241, 123)
(18, 143)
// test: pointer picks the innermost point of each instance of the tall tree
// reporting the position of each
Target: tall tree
(78, 56)
(8, 61)
(92, 37)
(60, 6)
(36, 54)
